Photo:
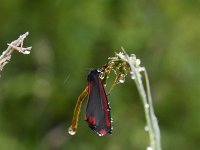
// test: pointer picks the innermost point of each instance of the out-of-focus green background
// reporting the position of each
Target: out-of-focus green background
(38, 92)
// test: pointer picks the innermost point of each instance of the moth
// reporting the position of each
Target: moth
(98, 114)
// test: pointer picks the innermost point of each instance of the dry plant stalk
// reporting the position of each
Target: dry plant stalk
(15, 45)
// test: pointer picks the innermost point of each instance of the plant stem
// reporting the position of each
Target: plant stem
(152, 123)
(15, 45)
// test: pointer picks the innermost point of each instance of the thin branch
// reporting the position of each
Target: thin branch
(15, 45)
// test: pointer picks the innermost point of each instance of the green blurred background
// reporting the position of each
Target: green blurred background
(38, 92)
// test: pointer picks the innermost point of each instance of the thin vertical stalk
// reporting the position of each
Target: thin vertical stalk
(152, 123)
(157, 140)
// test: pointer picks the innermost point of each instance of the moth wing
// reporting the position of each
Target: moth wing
(98, 110)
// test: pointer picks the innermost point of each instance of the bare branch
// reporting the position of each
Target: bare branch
(15, 45)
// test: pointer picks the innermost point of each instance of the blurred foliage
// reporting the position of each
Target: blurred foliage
(38, 92)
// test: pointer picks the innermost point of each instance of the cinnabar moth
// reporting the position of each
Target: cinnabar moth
(98, 110)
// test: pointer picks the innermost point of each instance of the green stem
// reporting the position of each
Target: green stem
(152, 123)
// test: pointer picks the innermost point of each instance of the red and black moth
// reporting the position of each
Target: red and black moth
(98, 110)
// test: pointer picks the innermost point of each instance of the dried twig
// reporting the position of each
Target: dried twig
(15, 45)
